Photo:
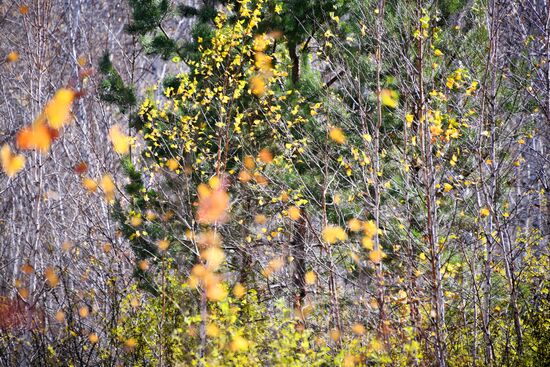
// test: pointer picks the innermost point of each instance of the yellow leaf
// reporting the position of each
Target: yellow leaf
(294, 213)
(438, 53)
(369, 228)
(376, 255)
(89, 184)
(447, 187)
(172, 164)
(333, 234)
(121, 142)
(389, 98)
(11, 163)
(212, 330)
(83, 311)
(58, 109)
(265, 155)
(484, 212)
(239, 290)
(108, 187)
(310, 277)
(38, 136)
(249, 162)
(337, 135)
(355, 225)
(238, 344)
(257, 85)
(367, 243)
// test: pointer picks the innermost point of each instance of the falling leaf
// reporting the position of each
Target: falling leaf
(27, 268)
(37, 136)
(121, 141)
(172, 164)
(81, 61)
(447, 187)
(108, 187)
(263, 62)
(334, 334)
(58, 109)
(367, 243)
(89, 184)
(23, 9)
(333, 234)
(238, 344)
(143, 265)
(12, 57)
(212, 330)
(265, 156)
(213, 205)
(355, 225)
(136, 221)
(83, 312)
(337, 135)
(260, 219)
(389, 98)
(11, 163)
(81, 167)
(294, 213)
(216, 292)
(214, 257)
(369, 228)
(130, 343)
(239, 290)
(93, 338)
(257, 85)
(60, 316)
(376, 256)
(249, 162)
(484, 212)
(438, 53)
(107, 247)
(358, 329)
(51, 276)
(163, 245)
(310, 277)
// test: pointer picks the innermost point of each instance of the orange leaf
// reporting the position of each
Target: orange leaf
(37, 136)
(12, 57)
(213, 205)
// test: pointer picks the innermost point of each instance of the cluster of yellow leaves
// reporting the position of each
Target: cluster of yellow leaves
(263, 63)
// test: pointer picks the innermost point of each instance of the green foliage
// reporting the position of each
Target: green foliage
(112, 88)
